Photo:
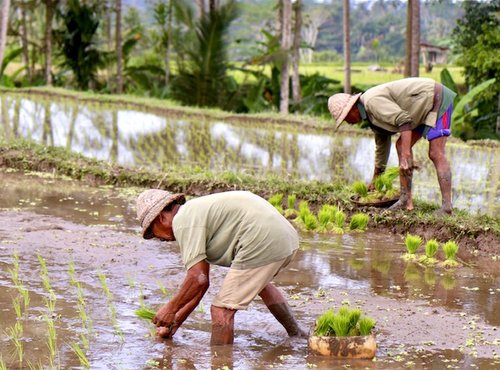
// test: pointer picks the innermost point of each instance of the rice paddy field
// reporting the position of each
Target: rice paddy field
(73, 268)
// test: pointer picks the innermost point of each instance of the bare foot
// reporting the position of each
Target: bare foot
(400, 205)
(301, 333)
(443, 211)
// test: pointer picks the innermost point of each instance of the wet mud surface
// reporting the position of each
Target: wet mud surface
(426, 318)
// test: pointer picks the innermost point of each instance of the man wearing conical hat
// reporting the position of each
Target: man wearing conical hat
(414, 108)
(236, 229)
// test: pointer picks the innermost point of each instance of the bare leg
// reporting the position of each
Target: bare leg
(405, 180)
(278, 306)
(438, 157)
(222, 325)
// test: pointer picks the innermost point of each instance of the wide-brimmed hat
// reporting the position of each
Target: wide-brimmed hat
(339, 106)
(149, 205)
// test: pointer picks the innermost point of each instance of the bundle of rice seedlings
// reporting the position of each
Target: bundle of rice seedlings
(292, 198)
(291, 212)
(303, 211)
(341, 325)
(310, 222)
(450, 249)
(339, 220)
(431, 248)
(360, 188)
(366, 325)
(276, 200)
(412, 242)
(323, 324)
(145, 313)
(326, 216)
(346, 322)
(388, 177)
(359, 221)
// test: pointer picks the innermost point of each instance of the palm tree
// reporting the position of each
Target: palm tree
(202, 63)
(4, 23)
(296, 52)
(118, 45)
(347, 48)
(286, 29)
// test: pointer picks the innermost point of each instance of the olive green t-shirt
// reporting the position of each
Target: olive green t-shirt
(235, 228)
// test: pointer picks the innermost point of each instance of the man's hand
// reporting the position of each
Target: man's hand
(406, 164)
(165, 316)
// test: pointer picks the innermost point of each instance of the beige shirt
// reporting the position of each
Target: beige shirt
(396, 103)
(235, 228)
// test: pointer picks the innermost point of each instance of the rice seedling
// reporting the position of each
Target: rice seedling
(303, 211)
(323, 327)
(291, 199)
(339, 221)
(145, 313)
(104, 285)
(82, 357)
(412, 242)
(366, 325)
(431, 248)
(51, 339)
(14, 272)
(291, 212)
(310, 222)
(341, 325)
(450, 249)
(3, 365)
(360, 188)
(359, 221)
(44, 274)
(15, 334)
(276, 200)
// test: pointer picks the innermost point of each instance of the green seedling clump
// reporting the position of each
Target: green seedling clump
(360, 188)
(450, 249)
(303, 211)
(431, 248)
(145, 313)
(346, 322)
(359, 221)
(326, 216)
(291, 211)
(412, 242)
(310, 222)
(276, 200)
(339, 221)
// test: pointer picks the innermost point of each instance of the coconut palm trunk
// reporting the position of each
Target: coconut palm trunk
(118, 46)
(24, 40)
(296, 93)
(4, 22)
(415, 37)
(49, 16)
(347, 48)
(407, 69)
(286, 29)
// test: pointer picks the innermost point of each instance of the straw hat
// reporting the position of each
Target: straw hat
(149, 205)
(339, 106)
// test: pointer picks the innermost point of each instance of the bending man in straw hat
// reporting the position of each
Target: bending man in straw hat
(413, 107)
(236, 229)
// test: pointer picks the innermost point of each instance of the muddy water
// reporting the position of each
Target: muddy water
(136, 138)
(426, 318)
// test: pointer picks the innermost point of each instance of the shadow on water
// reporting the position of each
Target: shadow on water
(63, 221)
(134, 138)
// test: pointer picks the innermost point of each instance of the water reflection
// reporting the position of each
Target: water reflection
(134, 138)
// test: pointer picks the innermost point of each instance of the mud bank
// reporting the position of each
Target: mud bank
(476, 234)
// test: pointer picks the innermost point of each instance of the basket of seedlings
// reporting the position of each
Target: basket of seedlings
(384, 194)
(345, 334)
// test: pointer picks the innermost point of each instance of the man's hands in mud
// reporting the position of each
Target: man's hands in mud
(165, 321)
